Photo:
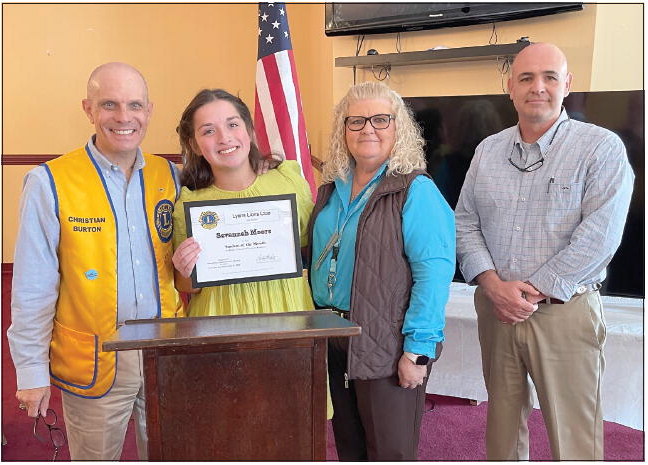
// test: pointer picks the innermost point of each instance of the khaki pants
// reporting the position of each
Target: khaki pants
(561, 348)
(96, 428)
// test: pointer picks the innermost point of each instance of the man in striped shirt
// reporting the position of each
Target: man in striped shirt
(540, 215)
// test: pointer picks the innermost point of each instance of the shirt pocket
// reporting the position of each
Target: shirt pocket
(565, 196)
(562, 210)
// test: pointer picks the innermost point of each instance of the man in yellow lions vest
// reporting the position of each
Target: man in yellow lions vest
(94, 250)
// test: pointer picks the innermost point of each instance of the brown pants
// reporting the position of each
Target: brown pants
(373, 419)
(561, 348)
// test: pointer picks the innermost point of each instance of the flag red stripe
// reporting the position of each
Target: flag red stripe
(307, 168)
(259, 127)
(303, 140)
(280, 106)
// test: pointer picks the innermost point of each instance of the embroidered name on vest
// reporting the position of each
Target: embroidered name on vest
(86, 220)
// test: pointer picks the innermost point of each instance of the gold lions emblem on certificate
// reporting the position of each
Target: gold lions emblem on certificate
(208, 220)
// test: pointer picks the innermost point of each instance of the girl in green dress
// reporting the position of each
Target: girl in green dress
(221, 162)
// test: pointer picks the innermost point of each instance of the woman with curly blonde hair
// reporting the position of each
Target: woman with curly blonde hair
(382, 254)
(407, 153)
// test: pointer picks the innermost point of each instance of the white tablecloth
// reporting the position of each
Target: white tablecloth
(458, 372)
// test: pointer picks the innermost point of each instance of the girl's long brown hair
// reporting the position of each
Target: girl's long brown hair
(197, 173)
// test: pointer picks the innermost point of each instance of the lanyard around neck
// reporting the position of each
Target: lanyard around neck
(334, 240)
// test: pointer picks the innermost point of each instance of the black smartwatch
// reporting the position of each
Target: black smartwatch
(417, 359)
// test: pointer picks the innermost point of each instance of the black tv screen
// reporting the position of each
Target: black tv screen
(453, 126)
(378, 18)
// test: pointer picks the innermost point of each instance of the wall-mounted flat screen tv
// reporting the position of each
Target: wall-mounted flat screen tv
(453, 126)
(379, 18)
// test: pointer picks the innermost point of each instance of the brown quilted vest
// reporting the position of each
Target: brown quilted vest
(382, 279)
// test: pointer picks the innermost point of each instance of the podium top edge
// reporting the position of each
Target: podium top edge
(174, 332)
(198, 318)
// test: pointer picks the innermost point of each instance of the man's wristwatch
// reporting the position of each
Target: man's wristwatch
(417, 359)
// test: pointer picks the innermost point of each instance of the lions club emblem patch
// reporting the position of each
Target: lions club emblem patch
(208, 220)
(164, 220)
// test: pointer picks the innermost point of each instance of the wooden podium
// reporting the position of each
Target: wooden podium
(246, 387)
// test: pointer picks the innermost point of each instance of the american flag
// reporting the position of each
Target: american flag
(278, 115)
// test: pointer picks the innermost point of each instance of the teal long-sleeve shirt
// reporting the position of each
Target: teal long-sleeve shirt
(429, 242)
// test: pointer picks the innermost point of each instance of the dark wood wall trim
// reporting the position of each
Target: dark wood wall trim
(7, 270)
(317, 163)
(26, 159)
(39, 159)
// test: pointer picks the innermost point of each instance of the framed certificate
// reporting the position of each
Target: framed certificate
(245, 240)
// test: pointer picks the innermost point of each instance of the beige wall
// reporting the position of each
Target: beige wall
(617, 62)
(50, 49)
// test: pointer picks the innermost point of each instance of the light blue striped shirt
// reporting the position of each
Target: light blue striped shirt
(429, 242)
(36, 267)
(556, 227)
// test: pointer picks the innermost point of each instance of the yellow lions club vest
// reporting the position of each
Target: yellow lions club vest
(86, 311)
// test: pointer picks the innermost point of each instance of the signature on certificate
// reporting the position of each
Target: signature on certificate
(267, 258)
